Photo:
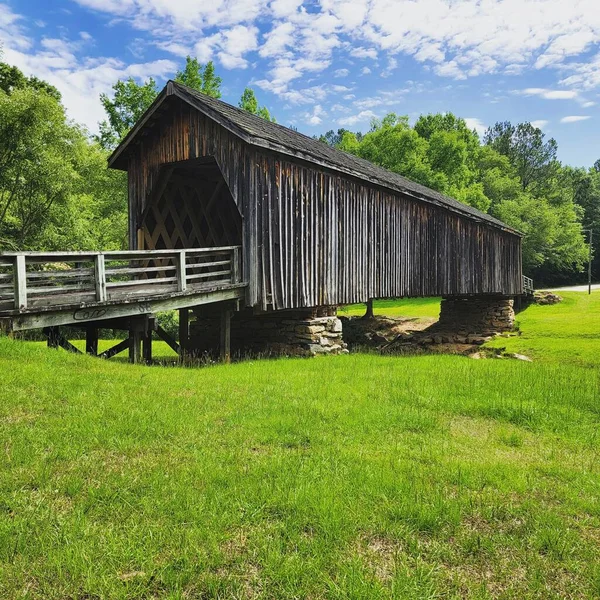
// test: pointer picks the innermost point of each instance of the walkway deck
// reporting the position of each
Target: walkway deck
(40, 290)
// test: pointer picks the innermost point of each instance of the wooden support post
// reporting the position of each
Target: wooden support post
(53, 334)
(20, 282)
(225, 345)
(184, 332)
(147, 346)
(135, 341)
(91, 340)
(100, 278)
(181, 272)
(235, 265)
(369, 314)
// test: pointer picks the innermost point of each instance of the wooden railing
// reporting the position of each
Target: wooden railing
(37, 279)
(528, 285)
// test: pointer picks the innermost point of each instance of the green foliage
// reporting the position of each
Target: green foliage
(533, 158)
(130, 101)
(12, 78)
(202, 79)
(249, 103)
(36, 170)
(56, 192)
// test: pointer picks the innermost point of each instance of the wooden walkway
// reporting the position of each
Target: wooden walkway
(43, 290)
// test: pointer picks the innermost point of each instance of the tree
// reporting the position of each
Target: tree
(130, 101)
(202, 79)
(249, 103)
(12, 78)
(533, 158)
(36, 170)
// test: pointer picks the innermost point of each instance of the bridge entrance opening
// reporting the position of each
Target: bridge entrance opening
(190, 207)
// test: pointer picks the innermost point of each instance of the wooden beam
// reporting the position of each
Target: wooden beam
(147, 347)
(133, 307)
(184, 332)
(135, 344)
(163, 335)
(116, 349)
(91, 340)
(225, 342)
(52, 334)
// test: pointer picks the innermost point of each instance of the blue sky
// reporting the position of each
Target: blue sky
(325, 64)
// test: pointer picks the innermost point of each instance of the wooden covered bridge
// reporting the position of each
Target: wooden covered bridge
(229, 212)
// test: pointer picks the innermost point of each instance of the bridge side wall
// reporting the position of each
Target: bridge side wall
(312, 237)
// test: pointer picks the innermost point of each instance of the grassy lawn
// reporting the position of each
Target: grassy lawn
(355, 476)
(568, 332)
(407, 307)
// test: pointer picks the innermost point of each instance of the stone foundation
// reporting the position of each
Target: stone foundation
(307, 332)
(477, 314)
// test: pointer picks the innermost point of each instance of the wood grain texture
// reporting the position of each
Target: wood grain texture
(312, 236)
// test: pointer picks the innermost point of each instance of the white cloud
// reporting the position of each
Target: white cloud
(574, 119)
(361, 52)
(316, 116)
(365, 71)
(476, 124)
(363, 116)
(549, 94)
(539, 124)
(341, 73)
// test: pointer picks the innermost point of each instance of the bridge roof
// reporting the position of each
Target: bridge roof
(262, 133)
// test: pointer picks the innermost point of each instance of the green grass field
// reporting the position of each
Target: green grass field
(355, 476)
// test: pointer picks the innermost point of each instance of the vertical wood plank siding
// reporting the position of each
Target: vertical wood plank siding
(313, 237)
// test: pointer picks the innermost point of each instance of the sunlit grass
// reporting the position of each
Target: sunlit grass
(338, 477)
(407, 307)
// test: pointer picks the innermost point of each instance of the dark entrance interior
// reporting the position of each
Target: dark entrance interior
(190, 207)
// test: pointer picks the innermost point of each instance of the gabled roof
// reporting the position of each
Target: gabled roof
(262, 133)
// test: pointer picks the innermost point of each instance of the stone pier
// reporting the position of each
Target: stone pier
(477, 314)
(303, 332)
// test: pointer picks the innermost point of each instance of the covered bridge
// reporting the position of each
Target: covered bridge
(317, 226)
(280, 227)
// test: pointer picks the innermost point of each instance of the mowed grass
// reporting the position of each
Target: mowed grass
(407, 307)
(339, 477)
(568, 332)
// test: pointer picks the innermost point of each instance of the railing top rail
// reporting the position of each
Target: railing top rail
(74, 255)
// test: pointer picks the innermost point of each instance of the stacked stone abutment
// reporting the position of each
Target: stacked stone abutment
(306, 332)
(477, 314)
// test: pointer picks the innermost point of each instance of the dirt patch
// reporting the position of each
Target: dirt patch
(410, 336)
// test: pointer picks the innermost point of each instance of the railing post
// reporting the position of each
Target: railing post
(20, 282)
(100, 278)
(235, 265)
(181, 272)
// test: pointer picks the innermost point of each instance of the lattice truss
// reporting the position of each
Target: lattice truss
(193, 211)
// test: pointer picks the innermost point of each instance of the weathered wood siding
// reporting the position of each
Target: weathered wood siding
(313, 237)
